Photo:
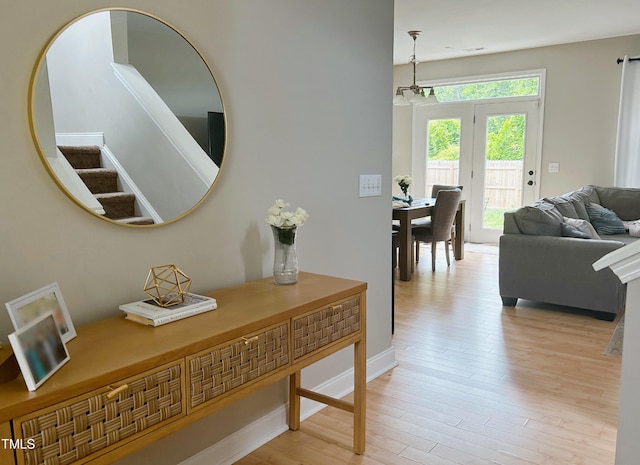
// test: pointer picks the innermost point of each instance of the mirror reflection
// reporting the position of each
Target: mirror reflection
(128, 118)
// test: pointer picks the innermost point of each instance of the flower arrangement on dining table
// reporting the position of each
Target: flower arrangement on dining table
(404, 181)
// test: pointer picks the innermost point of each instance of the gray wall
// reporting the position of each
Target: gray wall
(306, 86)
(581, 106)
(176, 72)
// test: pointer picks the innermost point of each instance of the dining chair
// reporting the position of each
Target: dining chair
(434, 192)
(425, 221)
(438, 228)
(439, 187)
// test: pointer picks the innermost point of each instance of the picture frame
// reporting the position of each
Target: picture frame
(30, 306)
(39, 349)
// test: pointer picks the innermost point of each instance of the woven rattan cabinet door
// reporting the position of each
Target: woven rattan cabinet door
(221, 369)
(325, 326)
(95, 423)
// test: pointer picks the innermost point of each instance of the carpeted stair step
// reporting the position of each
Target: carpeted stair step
(99, 180)
(103, 184)
(136, 220)
(82, 156)
(117, 204)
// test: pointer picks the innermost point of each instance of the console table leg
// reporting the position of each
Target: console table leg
(359, 397)
(294, 401)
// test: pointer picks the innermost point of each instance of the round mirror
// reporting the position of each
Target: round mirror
(127, 118)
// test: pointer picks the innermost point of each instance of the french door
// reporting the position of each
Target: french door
(491, 149)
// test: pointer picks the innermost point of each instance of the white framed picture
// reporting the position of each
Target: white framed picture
(47, 299)
(39, 349)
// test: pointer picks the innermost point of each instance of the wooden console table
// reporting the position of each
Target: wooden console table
(127, 385)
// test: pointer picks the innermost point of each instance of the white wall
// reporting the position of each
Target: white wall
(306, 86)
(581, 106)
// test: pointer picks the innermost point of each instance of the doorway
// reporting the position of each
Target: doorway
(489, 148)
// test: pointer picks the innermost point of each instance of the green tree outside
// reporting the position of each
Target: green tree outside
(505, 137)
(488, 90)
(444, 139)
(505, 134)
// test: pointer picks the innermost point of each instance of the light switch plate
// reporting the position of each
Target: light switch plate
(370, 185)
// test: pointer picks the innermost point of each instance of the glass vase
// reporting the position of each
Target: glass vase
(285, 259)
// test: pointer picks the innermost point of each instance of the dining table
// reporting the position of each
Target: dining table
(421, 208)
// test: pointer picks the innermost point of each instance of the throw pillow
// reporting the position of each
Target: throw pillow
(633, 227)
(604, 220)
(583, 226)
(572, 231)
(540, 220)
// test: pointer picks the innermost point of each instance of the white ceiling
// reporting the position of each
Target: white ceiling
(456, 28)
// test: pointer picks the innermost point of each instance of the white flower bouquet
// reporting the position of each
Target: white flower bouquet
(285, 221)
(404, 181)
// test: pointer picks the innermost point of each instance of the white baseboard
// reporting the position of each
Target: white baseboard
(244, 441)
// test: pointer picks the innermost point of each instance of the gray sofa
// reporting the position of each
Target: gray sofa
(543, 258)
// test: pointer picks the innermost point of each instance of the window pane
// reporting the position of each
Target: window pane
(443, 152)
(488, 90)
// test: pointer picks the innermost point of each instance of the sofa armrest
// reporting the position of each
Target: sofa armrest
(559, 270)
(510, 226)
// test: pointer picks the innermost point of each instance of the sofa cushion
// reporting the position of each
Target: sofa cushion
(624, 238)
(564, 206)
(604, 220)
(583, 226)
(575, 200)
(588, 194)
(624, 201)
(540, 219)
(581, 210)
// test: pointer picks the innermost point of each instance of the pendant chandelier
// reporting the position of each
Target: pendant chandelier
(417, 95)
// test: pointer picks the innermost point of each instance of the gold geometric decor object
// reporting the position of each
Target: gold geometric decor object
(167, 285)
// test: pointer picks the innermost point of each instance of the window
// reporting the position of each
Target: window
(494, 89)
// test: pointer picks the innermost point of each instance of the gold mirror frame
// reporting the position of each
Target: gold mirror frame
(43, 130)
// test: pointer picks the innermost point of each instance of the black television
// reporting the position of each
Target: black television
(217, 134)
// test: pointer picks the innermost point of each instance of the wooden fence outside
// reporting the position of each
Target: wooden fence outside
(503, 180)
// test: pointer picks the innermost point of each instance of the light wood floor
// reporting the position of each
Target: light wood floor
(476, 383)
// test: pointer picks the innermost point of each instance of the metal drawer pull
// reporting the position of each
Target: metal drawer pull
(115, 391)
(248, 341)
(335, 308)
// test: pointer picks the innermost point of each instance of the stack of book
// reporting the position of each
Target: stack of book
(149, 313)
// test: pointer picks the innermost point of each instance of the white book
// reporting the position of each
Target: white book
(192, 304)
(166, 319)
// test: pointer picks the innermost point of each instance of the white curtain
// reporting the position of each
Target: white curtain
(627, 166)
